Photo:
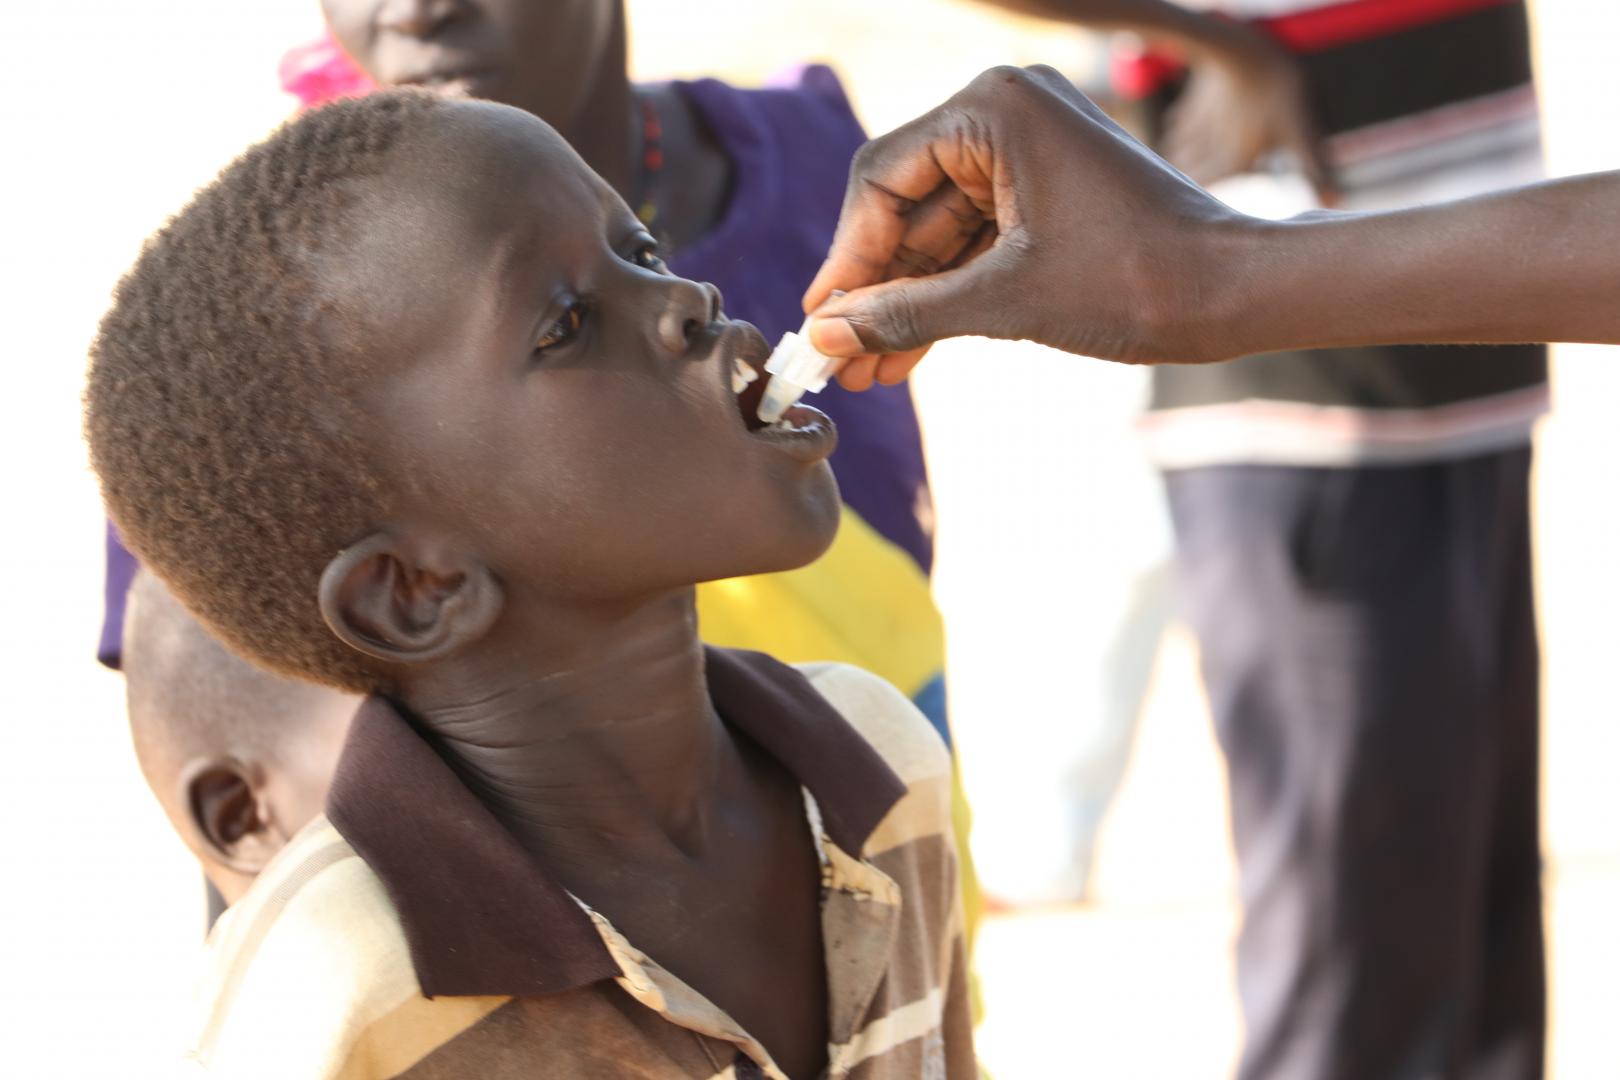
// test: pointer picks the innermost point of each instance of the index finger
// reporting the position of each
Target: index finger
(889, 177)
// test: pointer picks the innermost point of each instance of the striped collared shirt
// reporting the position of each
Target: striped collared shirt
(406, 934)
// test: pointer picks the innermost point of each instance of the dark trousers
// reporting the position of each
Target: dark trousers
(1369, 647)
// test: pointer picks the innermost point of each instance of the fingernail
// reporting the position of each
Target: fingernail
(835, 337)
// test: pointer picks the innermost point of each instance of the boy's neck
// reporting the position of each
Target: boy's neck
(592, 737)
(590, 734)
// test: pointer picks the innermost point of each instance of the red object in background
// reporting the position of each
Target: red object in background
(1357, 20)
(320, 72)
(1139, 71)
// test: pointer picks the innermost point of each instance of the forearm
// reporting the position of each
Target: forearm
(1540, 263)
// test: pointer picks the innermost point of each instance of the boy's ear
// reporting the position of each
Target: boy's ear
(405, 601)
(229, 814)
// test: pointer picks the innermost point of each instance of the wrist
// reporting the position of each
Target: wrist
(1282, 277)
(1225, 314)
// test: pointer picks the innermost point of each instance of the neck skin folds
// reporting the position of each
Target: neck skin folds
(588, 732)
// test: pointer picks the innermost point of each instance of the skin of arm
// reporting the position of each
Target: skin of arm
(1537, 263)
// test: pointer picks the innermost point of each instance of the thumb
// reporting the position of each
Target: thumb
(909, 313)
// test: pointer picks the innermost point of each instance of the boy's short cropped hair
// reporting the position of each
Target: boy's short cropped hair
(221, 405)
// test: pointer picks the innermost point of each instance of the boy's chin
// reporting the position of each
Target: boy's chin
(819, 513)
(799, 534)
(810, 548)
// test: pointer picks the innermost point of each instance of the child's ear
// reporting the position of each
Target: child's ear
(229, 814)
(405, 600)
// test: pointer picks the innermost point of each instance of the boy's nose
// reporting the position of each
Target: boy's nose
(418, 18)
(690, 309)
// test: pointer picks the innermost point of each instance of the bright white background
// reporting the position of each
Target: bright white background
(114, 111)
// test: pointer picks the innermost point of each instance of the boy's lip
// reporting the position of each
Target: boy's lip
(742, 342)
(804, 431)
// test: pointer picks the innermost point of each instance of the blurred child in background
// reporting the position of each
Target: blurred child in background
(239, 759)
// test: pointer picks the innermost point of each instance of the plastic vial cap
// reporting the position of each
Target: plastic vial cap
(795, 368)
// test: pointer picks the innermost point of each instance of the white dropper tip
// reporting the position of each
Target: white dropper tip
(795, 369)
(780, 396)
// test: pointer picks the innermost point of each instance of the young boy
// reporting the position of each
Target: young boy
(239, 759)
(406, 403)
(742, 188)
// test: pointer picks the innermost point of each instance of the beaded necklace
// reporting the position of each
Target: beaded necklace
(652, 164)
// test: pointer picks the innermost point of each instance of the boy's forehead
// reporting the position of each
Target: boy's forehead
(476, 182)
(486, 150)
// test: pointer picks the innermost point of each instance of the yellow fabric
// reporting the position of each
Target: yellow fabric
(968, 874)
(864, 603)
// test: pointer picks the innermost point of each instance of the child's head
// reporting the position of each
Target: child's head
(239, 758)
(409, 372)
(541, 56)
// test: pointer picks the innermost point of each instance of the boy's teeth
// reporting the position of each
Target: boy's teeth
(741, 375)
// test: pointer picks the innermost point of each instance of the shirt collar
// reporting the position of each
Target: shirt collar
(481, 917)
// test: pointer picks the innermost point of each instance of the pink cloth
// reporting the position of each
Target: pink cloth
(320, 72)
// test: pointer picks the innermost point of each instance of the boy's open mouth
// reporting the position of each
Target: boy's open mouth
(744, 369)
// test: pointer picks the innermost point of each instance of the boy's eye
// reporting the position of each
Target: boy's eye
(647, 258)
(563, 330)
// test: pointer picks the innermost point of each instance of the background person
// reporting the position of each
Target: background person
(240, 759)
(1317, 498)
(1019, 187)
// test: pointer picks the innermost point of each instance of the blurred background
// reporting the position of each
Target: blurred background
(115, 112)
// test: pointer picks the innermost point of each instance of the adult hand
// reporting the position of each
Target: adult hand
(1245, 99)
(1018, 210)
(1029, 214)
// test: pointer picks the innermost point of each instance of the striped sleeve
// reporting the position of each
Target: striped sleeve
(920, 1021)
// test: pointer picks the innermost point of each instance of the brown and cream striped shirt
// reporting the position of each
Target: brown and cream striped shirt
(406, 934)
